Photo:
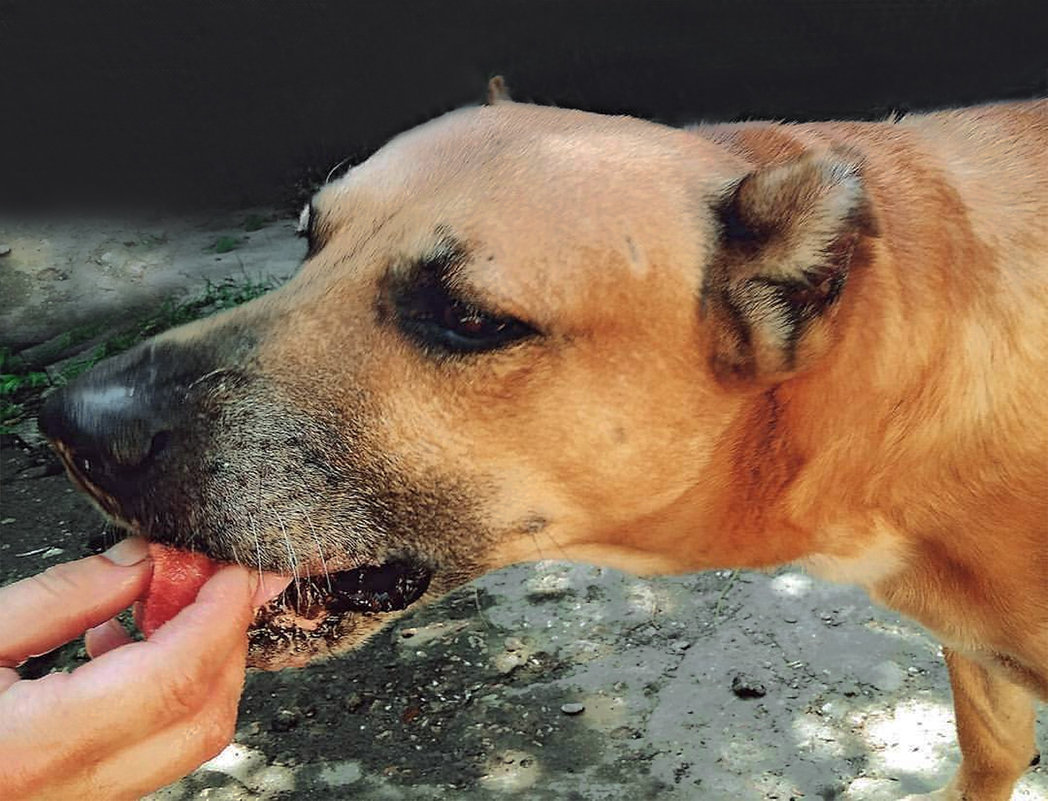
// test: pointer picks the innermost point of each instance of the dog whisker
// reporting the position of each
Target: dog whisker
(292, 556)
(535, 539)
(235, 550)
(320, 549)
(557, 545)
(258, 543)
(205, 377)
(254, 526)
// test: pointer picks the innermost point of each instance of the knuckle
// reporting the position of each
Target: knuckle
(182, 693)
(57, 581)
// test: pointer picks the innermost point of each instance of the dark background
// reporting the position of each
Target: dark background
(147, 102)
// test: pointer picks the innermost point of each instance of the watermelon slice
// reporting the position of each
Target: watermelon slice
(177, 578)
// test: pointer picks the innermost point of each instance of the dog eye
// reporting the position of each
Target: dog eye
(436, 320)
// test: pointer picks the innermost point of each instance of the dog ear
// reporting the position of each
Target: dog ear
(498, 92)
(788, 235)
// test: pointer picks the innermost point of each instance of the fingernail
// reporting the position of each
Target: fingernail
(268, 586)
(128, 552)
(104, 637)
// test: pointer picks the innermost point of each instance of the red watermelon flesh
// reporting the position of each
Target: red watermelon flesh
(177, 578)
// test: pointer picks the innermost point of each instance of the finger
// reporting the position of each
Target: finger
(268, 587)
(184, 746)
(132, 768)
(105, 637)
(161, 680)
(50, 609)
(8, 676)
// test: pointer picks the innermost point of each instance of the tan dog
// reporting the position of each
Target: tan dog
(525, 332)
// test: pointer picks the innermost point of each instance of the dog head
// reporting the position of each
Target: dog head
(518, 333)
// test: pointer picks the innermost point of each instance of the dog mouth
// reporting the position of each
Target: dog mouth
(388, 587)
(327, 613)
(317, 614)
(320, 613)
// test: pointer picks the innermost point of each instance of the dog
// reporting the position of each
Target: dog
(522, 330)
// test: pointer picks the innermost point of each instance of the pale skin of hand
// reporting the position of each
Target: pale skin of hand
(139, 715)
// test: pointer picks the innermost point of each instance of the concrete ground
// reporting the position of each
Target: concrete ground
(545, 681)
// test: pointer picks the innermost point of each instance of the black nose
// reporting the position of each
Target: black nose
(113, 422)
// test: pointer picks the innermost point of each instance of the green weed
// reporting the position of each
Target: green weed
(224, 244)
(254, 222)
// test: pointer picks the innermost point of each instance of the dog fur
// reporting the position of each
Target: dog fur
(746, 345)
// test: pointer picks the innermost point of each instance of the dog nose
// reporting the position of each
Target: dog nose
(113, 421)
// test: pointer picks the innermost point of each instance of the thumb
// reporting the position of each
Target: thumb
(51, 608)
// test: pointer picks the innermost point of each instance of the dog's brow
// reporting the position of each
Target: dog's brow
(444, 264)
(446, 258)
(447, 262)
(441, 264)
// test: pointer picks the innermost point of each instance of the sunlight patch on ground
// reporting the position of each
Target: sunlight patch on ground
(649, 599)
(791, 585)
(549, 578)
(819, 736)
(249, 767)
(605, 713)
(916, 737)
(1030, 788)
(237, 761)
(511, 772)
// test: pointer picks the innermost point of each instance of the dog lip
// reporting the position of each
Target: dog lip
(391, 586)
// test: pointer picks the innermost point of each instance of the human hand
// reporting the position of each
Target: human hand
(140, 714)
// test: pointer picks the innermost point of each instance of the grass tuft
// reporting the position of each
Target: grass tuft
(254, 222)
(224, 244)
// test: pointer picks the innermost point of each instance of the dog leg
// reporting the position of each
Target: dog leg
(995, 728)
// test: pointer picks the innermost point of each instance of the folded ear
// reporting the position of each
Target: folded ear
(788, 234)
(498, 92)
